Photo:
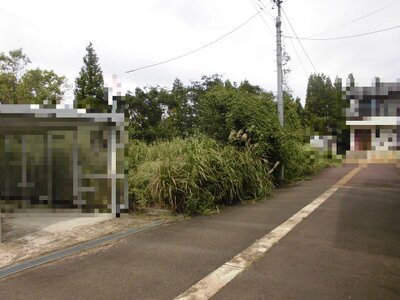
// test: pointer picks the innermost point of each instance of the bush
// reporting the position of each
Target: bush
(195, 175)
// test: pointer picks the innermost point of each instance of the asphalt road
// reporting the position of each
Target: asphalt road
(349, 248)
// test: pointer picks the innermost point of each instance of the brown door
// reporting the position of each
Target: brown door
(362, 139)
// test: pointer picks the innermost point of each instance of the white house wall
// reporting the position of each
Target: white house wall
(386, 139)
(352, 141)
(373, 121)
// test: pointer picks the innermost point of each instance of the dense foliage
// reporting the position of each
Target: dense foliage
(234, 158)
(89, 85)
(194, 175)
(20, 86)
(231, 114)
(199, 146)
(324, 112)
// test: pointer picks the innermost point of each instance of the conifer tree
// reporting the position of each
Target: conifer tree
(89, 85)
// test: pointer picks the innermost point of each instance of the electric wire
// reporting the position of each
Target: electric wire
(269, 13)
(355, 20)
(197, 49)
(341, 37)
(293, 45)
(257, 7)
(308, 57)
(297, 53)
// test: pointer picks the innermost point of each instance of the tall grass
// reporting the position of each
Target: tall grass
(194, 175)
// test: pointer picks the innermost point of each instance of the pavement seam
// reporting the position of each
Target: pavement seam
(215, 281)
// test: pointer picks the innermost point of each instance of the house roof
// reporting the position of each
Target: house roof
(38, 112)
(379, 90)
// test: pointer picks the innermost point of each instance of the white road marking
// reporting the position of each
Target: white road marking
(212, 283)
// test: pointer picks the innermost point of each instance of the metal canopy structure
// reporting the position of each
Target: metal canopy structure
(62, 158)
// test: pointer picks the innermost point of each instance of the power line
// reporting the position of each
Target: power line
(293, 45)
(269, 13)
(257, 7)
(355, 20)
(341, 37)
(308, 57)
(297, 53)
(197, 49)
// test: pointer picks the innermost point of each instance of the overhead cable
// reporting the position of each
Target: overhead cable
(308, 57)
(355, 20)
(197, 49)
(297, 53)
(340, 37)
(256, 7)
(269, 13)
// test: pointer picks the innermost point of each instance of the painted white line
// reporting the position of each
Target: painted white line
(212, 283)
(373, 187)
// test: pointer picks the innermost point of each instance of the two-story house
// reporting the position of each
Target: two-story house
(373, 116)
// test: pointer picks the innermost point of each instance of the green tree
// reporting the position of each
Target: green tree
(213, 107)
(343, 131)
(292, 116)
(11, 68)
(243, 116)
(146, 111)
(323, 107)
(179, 119)
(89, 85)
(249, 88)
(8, 88)
(300, 111)
(18, 86)
(291, 148)
(14, 63)
(41, 87)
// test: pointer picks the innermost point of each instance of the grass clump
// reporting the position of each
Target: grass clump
(194, 175)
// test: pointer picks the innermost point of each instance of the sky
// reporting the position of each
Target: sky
(131, 34)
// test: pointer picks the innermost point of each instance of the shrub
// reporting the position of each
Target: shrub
(195, 175)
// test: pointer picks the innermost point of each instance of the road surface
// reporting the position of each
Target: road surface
(348, 248)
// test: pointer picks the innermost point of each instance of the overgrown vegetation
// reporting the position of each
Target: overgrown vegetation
(212, 143)
(195, 175)
(199, 146)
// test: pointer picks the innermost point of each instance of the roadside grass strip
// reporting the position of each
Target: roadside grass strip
(212, 283)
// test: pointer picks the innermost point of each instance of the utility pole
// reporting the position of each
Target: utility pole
(279, 71)
(279, 61)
